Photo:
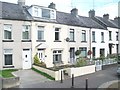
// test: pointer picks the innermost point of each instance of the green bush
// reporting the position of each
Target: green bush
(81, 62)
(38, 62)
(77, 52)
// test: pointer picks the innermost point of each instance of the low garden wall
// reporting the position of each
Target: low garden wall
(55, 74)
(10, 82)
(78, 71)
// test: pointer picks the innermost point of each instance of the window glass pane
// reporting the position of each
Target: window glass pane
(71, 35)
(26, 32)
(57, 56)
(40, 33)
(83, 52)
(56, 35)
(46, 13)
(83, 35)
(7, 31)
(8, 59)
(93, 36)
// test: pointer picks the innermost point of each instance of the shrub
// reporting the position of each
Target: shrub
(77, 52)
(81, 62)
(38, 62)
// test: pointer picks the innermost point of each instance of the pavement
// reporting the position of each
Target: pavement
(31, 79)
(28, 77)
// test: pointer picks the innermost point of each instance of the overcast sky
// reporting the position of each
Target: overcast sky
(100, 6)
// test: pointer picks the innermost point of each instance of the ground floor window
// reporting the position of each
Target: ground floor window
(8, 57)
(57, 56)
(83, 51)
(102, 52)
(93, 51)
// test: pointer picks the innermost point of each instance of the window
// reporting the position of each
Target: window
(117, 48)
(52, 14)
(102, 37)
(57, 56)
(93, 36)
(102, 52)
(93, 51)
(26, 32)
(7, 31)
(116, 36)
(57, 34)
(40, 33)
(45, 13)
(8, 57)
(71, 34)
(83, 51)
(83, 36)
(36, 11)
(110, 35)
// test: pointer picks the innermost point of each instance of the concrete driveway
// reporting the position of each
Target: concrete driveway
(29, 77)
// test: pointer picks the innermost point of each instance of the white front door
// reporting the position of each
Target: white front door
(41, 55)
(26, 59)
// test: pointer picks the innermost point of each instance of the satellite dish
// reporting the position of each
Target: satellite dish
(67, 39)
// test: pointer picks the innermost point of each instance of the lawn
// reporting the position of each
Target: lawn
(7, 73)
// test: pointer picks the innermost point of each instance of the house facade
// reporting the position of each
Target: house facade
(53, 36)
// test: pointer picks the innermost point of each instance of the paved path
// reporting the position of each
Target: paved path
(29, 77)
(94, 80)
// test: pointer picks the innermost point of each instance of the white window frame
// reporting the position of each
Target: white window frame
(84, 33)
(93, 36)
(73, 32)
(8, 28)
(36, 11)
(9, 52)
(41, 30)
(57, 52)
(57, 30)
(25, 29)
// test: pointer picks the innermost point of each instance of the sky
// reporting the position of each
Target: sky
(101, 7)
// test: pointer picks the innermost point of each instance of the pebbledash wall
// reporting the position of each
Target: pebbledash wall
(16, 45)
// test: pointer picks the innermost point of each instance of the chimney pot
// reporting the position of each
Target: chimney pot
(74, 11)
(52, 5)
(91, 13)
(21, 2)
(106, 16)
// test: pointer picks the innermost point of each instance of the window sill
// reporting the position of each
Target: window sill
(102, 42)
(41, 40)
(57, 41)
(72, 41)
(25, 40)
(8, 66)
(61, 62)
(93, 41)
(83, 41)
(8, 40)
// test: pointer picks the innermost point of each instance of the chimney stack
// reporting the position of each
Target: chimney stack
(52, 5)
(91, 13)
(106, 16)
(74, 11)
(116, 19)
(21, 2)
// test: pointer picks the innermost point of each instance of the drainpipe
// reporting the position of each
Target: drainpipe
(90, 41)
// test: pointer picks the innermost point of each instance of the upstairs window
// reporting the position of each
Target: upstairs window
(117, 36)
(83, 36)
(57, 34)
(110, 35)
(40, 32)
(7, 31)
(36, 11)
(71, 34)
(102, 37)
(26, 32)
(45, 13)
(93, 36)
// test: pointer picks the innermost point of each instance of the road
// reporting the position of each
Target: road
(94, 80)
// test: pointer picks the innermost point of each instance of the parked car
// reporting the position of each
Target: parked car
(118, 71)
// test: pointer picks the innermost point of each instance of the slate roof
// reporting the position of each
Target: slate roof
(13, 11)
(68, 19)
(108, 23)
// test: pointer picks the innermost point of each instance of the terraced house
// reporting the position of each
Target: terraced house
(53, 35)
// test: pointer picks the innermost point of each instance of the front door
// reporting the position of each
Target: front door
(26, 59)
(41, 55)
(72, 55)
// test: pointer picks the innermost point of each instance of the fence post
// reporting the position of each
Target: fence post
(86, 86)
(72, 81)
(61, 77)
